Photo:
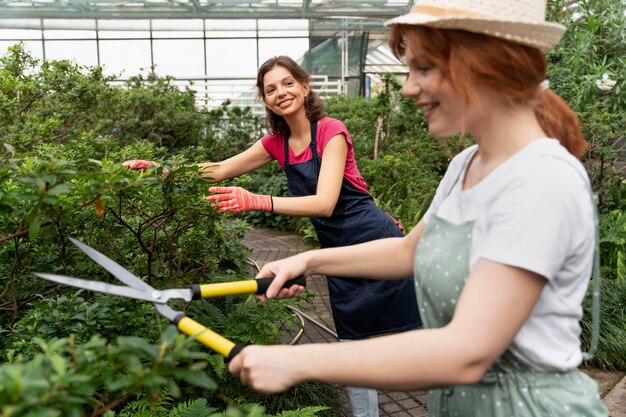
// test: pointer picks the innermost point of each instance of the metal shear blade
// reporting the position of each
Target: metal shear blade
(113, 267)
(152, 295)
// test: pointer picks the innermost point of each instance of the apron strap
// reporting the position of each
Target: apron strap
(595, 294)
(595, 274)
(312, 145)
(462, 171)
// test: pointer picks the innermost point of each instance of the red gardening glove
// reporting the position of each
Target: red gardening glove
(238, 200)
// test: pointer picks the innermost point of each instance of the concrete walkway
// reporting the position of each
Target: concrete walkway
(267, 245)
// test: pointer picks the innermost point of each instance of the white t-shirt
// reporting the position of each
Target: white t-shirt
(534, 211)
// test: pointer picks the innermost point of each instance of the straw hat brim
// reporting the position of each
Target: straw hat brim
(542, 35)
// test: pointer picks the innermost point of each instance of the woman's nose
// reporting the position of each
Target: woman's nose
(411, 88)
(410, 91)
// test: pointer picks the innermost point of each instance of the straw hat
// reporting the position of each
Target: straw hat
(520, 21)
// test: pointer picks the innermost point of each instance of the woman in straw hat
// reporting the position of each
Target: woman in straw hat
(502, 258)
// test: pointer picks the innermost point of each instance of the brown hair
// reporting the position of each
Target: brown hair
(312, 104)
(474, 61)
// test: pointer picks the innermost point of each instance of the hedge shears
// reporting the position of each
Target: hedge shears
(138, 289)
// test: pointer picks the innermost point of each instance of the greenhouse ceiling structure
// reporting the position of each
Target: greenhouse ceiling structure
(332, 14)
(211, 46)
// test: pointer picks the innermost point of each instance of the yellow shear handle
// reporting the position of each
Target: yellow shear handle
(225, 288)
(249, 286)
(208, 337)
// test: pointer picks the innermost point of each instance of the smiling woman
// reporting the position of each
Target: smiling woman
(317, 156)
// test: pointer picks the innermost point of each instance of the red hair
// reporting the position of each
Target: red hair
(473, 62)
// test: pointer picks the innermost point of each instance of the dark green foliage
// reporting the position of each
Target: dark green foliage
(595, 45)
(269, 180)
(74, 316)
(60, 102)
(227, 131)
(66, 133)
(152, 109)
(69, 379)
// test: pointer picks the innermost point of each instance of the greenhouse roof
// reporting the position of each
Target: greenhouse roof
(355, 14)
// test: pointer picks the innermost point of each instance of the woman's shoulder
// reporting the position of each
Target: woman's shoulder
(550, 162)
(273, 143)
(461, 159)
(331, 122)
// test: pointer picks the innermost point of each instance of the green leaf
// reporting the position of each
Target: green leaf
(199, 379)
(60, 189)
(59, 365)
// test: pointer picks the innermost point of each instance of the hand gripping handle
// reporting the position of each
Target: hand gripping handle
(249, 286)
(208, 337)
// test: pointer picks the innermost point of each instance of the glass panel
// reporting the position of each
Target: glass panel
(177, 24)
(283, 24)
(119, 29)
(230, 24)
(20, 34)
(179, 57)
(293, 48)
(177, 28)
(59, 28)
(283, 33)
(75, 24)
(270, 28)
(230, 28)
(221, 34)
(126, 24)
(81, 52)
(121, 34)
(125, 58)
(231, 58)
(69, 34)
(19, 24)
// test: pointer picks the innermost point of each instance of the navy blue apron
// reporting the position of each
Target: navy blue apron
(361, 307)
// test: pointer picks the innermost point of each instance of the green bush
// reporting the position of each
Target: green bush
(60, 177)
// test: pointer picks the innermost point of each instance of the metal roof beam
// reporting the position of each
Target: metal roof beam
(216, 9)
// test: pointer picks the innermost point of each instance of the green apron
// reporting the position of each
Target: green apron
(509, 388)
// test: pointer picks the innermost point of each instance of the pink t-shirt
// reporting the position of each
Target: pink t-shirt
(327, 128)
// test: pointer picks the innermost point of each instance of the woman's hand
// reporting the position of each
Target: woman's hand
(283, 270)
(267, 369)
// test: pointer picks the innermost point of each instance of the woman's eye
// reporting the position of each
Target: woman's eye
(268, 92)
(423, 69)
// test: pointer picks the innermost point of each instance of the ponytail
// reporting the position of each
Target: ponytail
(559, 121)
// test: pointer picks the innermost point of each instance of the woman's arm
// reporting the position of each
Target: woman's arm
(389, 258)
(322, 203)
(252, 158)
(494, 304)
